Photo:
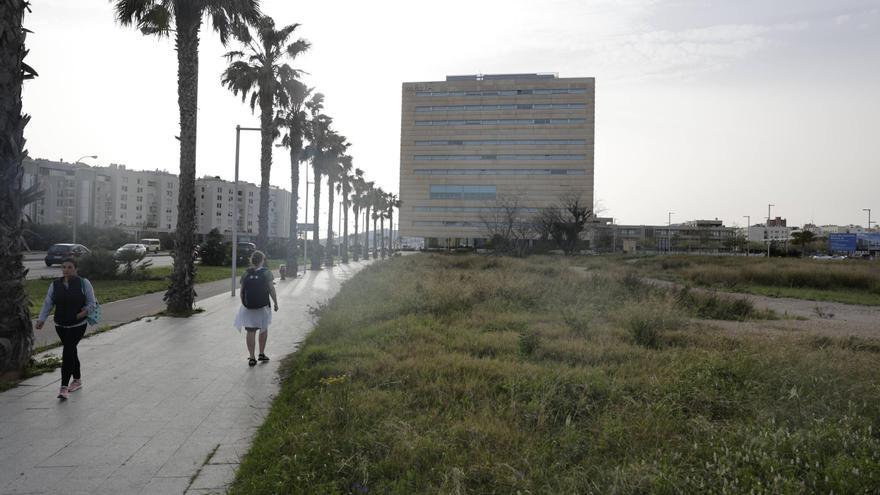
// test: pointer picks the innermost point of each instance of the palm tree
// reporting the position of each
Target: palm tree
(358, 185)
(344, 188)
(263, 76)
(336, 146)
(294, 119)
(383, 214)
(16, 332)
(367, 199)
(376, 204)
(184, 18)
(319, 126)
(393, 202)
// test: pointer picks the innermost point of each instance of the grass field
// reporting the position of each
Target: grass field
(846, 281)
(467, 374)
(114, 290)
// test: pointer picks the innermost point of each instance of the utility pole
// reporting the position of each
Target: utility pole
(869, 217)
(238, 130)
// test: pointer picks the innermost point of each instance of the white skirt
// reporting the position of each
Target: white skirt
(253, 318)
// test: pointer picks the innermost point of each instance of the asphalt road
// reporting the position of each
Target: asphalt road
(38, 268)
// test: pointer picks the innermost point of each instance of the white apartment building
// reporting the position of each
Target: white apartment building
(138, 200)
(215, 207)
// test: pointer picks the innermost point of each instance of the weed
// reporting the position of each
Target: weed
(529, 342)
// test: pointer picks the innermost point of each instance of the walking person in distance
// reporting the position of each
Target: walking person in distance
(255, 313)
(73, 298)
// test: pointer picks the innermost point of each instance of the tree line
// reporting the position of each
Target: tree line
(259, 71)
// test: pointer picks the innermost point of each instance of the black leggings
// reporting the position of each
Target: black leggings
(70, 337)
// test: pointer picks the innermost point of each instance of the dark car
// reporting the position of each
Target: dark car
(60, 252)
(245, 250)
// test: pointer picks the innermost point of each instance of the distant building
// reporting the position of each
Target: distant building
(470, 143)
(137, 200)
(707, 236)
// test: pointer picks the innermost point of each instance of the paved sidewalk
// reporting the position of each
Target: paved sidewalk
(168, 405)
(126, 310)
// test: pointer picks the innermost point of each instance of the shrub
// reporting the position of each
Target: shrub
(529, 343)
(98, 265)
(213, 251)
(715, 307)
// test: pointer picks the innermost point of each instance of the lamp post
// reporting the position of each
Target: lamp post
(767, 228)
(669, 232)
(869, 217)
(748, 231)
(306, 231)
(238, 130)
(76, 194)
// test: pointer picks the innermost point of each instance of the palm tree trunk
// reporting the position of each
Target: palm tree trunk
(292, 246)
(391, 230)
(315, 257)
(345, 225)
(181, 293)
(16, 333)
(375, 238)
(357, 241)
(367, 232)
(329, 257)
(266, 139)
(382, 223)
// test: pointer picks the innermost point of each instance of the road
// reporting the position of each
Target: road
(38, 268)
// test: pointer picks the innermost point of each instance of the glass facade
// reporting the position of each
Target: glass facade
(502, 122)
(467, 193)
(499, 171)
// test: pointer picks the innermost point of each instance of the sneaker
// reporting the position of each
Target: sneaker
(62, 394)
(263, 357)
(75, 385)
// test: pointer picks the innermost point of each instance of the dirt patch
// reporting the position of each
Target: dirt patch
(799, 315)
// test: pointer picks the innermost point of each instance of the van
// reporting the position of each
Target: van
(152, 245)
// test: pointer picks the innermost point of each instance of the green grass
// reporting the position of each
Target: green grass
(464, 374)
(114, 290)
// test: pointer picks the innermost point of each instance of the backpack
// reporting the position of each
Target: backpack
(255, 289)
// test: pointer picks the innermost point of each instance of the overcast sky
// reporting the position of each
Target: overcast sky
(709, 109)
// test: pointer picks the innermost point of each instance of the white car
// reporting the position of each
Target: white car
(139, 249)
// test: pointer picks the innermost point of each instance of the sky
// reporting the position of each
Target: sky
(707, 109)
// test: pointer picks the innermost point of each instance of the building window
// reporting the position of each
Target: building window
(500, 122)
(469, 158)
(490, 171)
(462, 192)
(503, 142)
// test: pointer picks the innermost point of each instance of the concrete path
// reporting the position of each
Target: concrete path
(168, 405)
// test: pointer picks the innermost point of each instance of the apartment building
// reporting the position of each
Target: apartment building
(472, 143)
(139, 200)
(216, 201)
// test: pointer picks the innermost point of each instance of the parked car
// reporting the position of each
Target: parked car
(139, 249)
(60, 252)
(152, 245)
(245, 250)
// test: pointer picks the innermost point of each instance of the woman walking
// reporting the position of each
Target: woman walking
(73, 298)
(254, 313)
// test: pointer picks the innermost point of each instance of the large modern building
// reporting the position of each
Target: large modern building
(139, 200)
(471, 144)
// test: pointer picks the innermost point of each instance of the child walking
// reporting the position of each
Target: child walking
(254, 313)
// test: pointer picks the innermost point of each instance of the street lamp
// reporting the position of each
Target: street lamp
(869, 217)
(238, 130)
(669, 232)
(748, 231)
(75, 194)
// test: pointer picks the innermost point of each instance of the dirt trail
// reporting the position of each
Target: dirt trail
(825, 318)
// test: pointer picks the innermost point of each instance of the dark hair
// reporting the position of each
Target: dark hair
(257, 258)
(72, 261)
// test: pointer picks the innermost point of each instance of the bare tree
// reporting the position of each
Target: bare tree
(565, 221)
(508, 225)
